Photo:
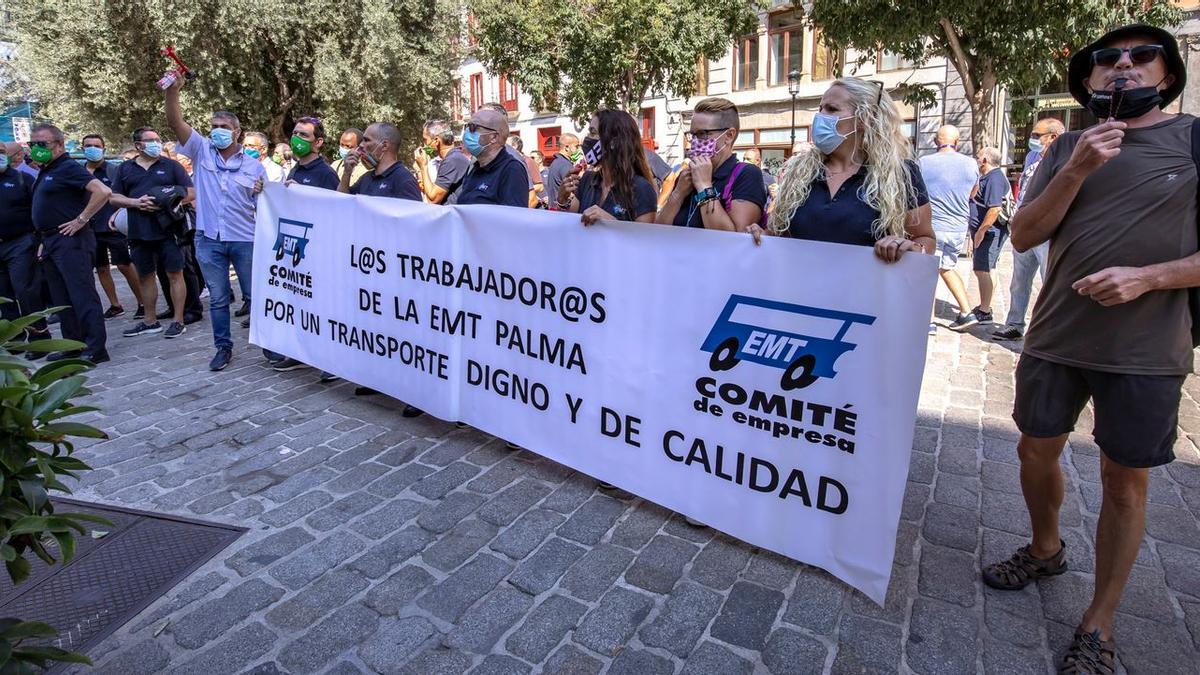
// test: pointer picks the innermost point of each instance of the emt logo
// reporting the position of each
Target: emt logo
(292, 239)
(804, 342)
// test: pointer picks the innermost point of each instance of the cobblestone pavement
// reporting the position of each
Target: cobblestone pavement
(381, 544)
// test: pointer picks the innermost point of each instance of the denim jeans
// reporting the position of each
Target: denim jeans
(215, 259)
(1025, 265)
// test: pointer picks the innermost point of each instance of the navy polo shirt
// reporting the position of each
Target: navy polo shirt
(645, 197)
(451, 171)
(397, 182)
(105, 174)
(993, 187)
(748, 187)
(560, 166)
(133, 181)
(16, 199)
(504, 181)
(60, 193)
(845, 218)
(316, 173)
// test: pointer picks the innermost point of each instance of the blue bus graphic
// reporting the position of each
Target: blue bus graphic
(291, 240)
(803, 357)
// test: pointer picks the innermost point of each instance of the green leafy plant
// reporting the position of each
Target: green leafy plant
(35, 453)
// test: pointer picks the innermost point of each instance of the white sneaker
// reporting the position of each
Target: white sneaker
(204, 293)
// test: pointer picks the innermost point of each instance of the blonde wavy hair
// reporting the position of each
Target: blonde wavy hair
(887, 186)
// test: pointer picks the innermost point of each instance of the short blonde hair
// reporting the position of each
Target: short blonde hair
(723, 108)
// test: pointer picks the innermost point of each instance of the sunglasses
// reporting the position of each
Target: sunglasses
(704, 134)
(1141, 54)
(309, 120)
(39, 144)
(473, 127)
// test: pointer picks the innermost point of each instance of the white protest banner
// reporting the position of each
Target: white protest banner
(769, 391)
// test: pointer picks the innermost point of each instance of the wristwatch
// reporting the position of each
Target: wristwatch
(704, 195)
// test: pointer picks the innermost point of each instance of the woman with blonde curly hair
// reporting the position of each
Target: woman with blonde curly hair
(859, 184)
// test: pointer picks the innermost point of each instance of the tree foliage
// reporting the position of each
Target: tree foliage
(605, 53)
(94, 63)
(1018, 45)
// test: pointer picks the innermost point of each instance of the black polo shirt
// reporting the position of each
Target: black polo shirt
(316, 173)
(16, 198)
(134, 181)
(60, 193)
(645, 197)
(748, 187)
(504, 181)
(559, 168)
(845, 218)
(105, 173)
(397, 182)
(451, 171)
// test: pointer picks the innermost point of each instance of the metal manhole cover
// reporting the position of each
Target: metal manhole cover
(113, 577)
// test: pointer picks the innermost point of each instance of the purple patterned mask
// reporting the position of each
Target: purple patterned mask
(703, 147)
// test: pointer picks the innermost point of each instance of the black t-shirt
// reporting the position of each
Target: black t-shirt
(451, 171)
(16, 199)
(748, 187)
(60, 193)
(504, 181)
(645, 197)
(397, 182)
(845, 218)
(559, 168)
(133, 181)
(316, 173)
(993, 187)
(105, 173)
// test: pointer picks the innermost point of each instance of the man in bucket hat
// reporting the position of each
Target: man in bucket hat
(1118, 204)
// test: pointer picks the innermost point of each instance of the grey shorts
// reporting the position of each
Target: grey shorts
(949, 244)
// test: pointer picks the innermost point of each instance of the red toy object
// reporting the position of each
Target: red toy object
(181, 69)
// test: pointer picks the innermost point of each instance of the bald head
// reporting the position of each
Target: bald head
(947, 135)
(752, 156)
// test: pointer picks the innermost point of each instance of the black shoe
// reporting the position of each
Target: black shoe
(513, 447)
(243, 310)
(246, 322)
(411, 411)
(59, 356)
(327, 377)
(1007, 333)
(165, 314)
(365, 391)
(189, 319)
(175, 330)
(141, 328)
(286, 365)
(140, 313)
(964, 321)
(96, 359)
(114, 311)
(221, 359)
(984, 317)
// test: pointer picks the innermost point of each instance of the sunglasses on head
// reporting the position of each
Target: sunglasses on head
(1141, 54)
(309, 120)
(473, 127)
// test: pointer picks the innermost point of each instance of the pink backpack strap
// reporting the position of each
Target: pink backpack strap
(727, 193)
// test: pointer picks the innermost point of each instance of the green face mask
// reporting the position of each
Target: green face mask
(430, 151)
(575, 155)
(40, 155)
(278, 159)
(300, 147)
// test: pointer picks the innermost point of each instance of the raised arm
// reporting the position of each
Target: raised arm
(175, 114)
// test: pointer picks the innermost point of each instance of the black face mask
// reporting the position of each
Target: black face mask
(588, 144)
(1124, 104)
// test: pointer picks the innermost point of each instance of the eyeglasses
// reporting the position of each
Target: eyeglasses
(704, 134)
(39, 144)
(473, 127)
(1141, 54)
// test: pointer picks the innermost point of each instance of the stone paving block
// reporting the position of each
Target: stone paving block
(770, 569)
(719, 564)
(299, 483)
(1003, 657)
(941, 638)
(497, 477)
(245, 645)
(394, 642)
(683, 619)
(816, 602)
(570, 494)
(1182, 567)
(951, 526)
(356, 478)
(519, 539)
(403, 452)
(382, 557)
(1145, 596)
(679, 527)
(962, 491)
(484, 623)
(296, 508)
(440, 483)
(570, 660)
(1174, 525)
(199, 589)
(1014, 616)
(747, 617)
(592, 520)
(548, 470)
(459, 544)
(545, 627)
(144, 658)
(1191, 613)
(1150, 647)
(866, 646)
(638, 662)
(439, 661)
(793, 653)
(449, 511)
(596, 571)
(398, 481)
(660, 564)
(342, 511)
(391, 518)
(268, 550)
(913, 506)
(211, 619)
(398, 590)
(498, 664)
(514, 501)
(301, 568)
(322, 643)
(1006, 512)
(455, 446)
(711, 658)
(450, 598)
(544, 568)
(1065, 596)
(948, 574)
(329, 592)
(610, 625)
(921, 468)
(639, 525)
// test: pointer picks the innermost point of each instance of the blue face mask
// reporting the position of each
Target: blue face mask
(3, 162)
(152, 148)
(342, 152)
(93, 154)
(1035, 145)
(221, 138)
(252, 153)
(825, 134)
(471, 143)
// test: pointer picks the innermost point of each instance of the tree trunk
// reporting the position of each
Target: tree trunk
(983, 117)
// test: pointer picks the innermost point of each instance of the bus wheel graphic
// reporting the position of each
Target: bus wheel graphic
(296, 258)
(724, 357)
(799, 374)
(279, 253)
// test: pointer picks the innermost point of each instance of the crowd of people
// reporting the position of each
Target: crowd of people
(1116, 255)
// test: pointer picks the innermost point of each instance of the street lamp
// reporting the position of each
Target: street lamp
(794, 89)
